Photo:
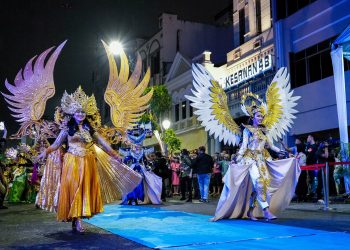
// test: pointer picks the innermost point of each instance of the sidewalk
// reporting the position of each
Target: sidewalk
(209, 208)
(334, 208)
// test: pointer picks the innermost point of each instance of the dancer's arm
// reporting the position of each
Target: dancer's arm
(244, 145)
(106, 146)
(273, 147)
(58, 142)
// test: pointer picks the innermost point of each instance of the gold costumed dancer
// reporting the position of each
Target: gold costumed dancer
(82, 171)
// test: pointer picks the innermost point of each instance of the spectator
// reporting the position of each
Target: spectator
(186, 175)
(195, 185)
(3, 135)
(311, 158)
(301, 189)
(3, 181)
(161, 169)
(293, 150)
(217, 177)
(175, 175)
(225, 164)
(324, 155)
(203, 164)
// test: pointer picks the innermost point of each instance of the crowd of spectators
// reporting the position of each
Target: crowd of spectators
(310, 184)
(197, 175)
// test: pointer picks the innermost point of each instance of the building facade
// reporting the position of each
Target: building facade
(169, 53)
(304, 32)
(185, 37)
(250, 62)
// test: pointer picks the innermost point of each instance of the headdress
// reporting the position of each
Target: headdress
(72, 103)
(256, 104)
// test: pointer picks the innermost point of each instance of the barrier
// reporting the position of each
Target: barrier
(325, 177)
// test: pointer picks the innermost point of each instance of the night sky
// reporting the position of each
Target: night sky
(29, 27)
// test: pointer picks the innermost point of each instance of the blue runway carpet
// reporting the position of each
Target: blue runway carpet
(163, 229)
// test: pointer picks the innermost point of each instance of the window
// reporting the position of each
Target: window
(183, 109)
(155, 63)
(144, 65)
(311, 64)
(285, 8)
(191, 110)
(241, 26)
(177, 112)
(258, 16)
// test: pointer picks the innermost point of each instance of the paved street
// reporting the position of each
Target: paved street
(24, 226)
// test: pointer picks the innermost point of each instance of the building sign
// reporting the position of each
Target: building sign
(249, 71)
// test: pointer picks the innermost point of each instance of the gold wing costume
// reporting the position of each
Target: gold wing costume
(255, 178)
(78, 180)
(210, 102)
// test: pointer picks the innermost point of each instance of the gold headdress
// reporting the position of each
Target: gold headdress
(77, 101)
(256, 104)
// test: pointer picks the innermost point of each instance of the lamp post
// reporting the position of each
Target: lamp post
(116, 47)
(165, 125)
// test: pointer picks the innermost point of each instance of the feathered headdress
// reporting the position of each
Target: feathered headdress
(256, 105)
(78, 101)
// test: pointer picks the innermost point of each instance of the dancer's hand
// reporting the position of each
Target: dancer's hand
(115, 156)
(41, 156)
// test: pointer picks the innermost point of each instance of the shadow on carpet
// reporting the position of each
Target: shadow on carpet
(162, 229)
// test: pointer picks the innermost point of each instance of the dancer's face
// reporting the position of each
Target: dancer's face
(79, 116)
(258, 118)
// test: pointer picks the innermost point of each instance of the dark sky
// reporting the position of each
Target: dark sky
(29, 27)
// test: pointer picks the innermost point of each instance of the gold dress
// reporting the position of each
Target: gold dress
(47, 197)
(80, 194)
(90, 177)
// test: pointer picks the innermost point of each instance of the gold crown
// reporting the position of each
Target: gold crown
(257, 105)
(78, 101)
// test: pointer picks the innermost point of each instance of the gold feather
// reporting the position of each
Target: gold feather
(274, 108)
(124, 94)
(220, 108)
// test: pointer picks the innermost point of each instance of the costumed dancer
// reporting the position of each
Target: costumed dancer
(91, 173)
(20, 188)
(150, 189)
(255, 178)
(3, 181)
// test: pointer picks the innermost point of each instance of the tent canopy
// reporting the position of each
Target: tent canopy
(344, 40)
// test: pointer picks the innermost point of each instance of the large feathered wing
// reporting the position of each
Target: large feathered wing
(124, 94)
(210, 101)
(279, 108)
(32, 87)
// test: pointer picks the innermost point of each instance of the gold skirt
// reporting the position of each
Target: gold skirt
(47, 197)
(80, 194)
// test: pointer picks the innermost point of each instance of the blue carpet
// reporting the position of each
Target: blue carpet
(162, 229)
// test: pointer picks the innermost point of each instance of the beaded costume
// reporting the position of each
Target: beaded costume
(255, 178)
(82, 171)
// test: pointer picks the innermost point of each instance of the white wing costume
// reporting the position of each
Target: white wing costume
(255, 178)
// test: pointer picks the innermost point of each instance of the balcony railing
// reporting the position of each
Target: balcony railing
(186, 124)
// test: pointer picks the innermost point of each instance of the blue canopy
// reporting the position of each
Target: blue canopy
(344, 40)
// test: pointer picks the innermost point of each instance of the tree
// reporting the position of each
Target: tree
(161, 100)
(160, 103)
(172, 141)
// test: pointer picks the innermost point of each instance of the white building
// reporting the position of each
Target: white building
(188, 38)
(169, 54)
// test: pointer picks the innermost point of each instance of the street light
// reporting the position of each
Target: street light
(166, 124)
(116, 47)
